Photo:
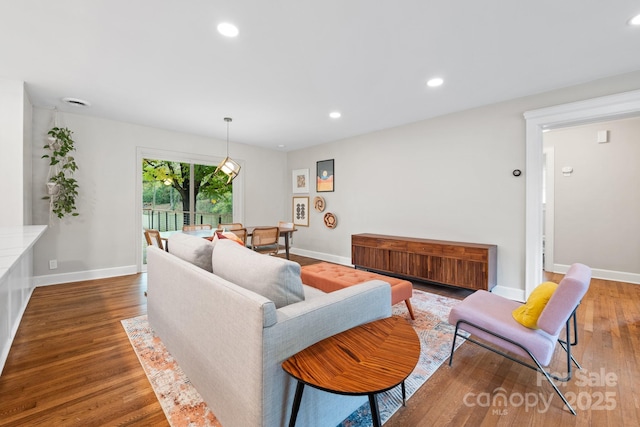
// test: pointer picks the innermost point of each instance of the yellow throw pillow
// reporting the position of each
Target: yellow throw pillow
(527, 314)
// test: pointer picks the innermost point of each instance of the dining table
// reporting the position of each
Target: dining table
(285, 232)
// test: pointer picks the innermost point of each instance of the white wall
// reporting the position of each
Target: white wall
(14, 113)
(597, 207)
(103, 240)
(452, 180)
(27, 171)
(445, 178)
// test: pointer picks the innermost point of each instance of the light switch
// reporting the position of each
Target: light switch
(603, 136)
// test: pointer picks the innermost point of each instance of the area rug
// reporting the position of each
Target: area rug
(184, 407)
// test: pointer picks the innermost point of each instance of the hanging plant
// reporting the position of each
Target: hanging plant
(62, 188)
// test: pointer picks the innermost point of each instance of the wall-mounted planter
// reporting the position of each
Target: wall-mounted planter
(62, 188)
(53, 188)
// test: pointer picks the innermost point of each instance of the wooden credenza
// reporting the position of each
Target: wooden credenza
(465, 265)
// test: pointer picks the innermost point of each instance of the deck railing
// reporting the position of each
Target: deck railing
(169, 220)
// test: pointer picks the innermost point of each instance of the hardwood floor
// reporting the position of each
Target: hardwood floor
(604, 393)
(71, 364)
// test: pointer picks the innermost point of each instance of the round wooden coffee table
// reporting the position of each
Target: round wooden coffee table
(367, 359)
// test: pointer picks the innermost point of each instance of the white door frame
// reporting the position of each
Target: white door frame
(549, 209)
(593, 110)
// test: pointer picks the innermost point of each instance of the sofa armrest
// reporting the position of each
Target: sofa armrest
(302, 324)
(313, 320)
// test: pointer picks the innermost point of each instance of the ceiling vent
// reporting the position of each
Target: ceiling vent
(76, 102)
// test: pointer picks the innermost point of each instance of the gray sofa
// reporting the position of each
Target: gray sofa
(231, 316)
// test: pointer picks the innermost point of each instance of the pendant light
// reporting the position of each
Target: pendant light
(228, 165)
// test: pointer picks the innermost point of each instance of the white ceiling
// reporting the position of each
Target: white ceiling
(162, 63)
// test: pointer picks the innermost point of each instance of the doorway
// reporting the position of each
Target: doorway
(175, 189)
(175, 194)
(596, 209)
(611, 107)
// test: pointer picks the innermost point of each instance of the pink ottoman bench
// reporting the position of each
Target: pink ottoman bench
(331, 277)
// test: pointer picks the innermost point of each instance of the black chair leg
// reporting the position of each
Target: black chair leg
(453, 346)
(538, 367)
(555, 387)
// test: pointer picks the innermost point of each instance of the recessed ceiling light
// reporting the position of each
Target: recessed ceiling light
(227, 29)
(635, 20)
(435, 82)
(281, 145)
(335, 114)
(76, 102)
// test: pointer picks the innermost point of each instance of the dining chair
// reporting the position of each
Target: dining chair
(265, 240)
(505, 326)
(153, 238)
(230, 226)
(195, 227)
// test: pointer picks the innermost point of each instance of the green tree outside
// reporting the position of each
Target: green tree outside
(167, 183)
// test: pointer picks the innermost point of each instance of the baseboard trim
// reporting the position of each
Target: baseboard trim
(597, 273)
(80, 276)
(509, 293)
(322, 256)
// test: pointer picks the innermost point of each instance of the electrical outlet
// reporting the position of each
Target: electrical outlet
(53, 264)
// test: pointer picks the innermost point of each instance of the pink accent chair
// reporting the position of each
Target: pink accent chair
(488, 316)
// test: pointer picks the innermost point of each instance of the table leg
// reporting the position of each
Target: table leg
(296, 404)
(286, 244)
(375, 413)
(404, 395)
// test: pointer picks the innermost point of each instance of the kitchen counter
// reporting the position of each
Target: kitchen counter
(16, 279)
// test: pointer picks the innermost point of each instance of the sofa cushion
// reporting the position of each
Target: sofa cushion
(275, 278)
(193, 249)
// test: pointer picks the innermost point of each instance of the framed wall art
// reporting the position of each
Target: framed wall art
(300, 180)
(301, 211)
(325, 176)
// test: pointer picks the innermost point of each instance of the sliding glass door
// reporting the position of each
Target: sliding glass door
(176, 194)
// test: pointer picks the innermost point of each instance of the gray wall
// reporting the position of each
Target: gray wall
(104, 239)
(597, 207)
(444, 178)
